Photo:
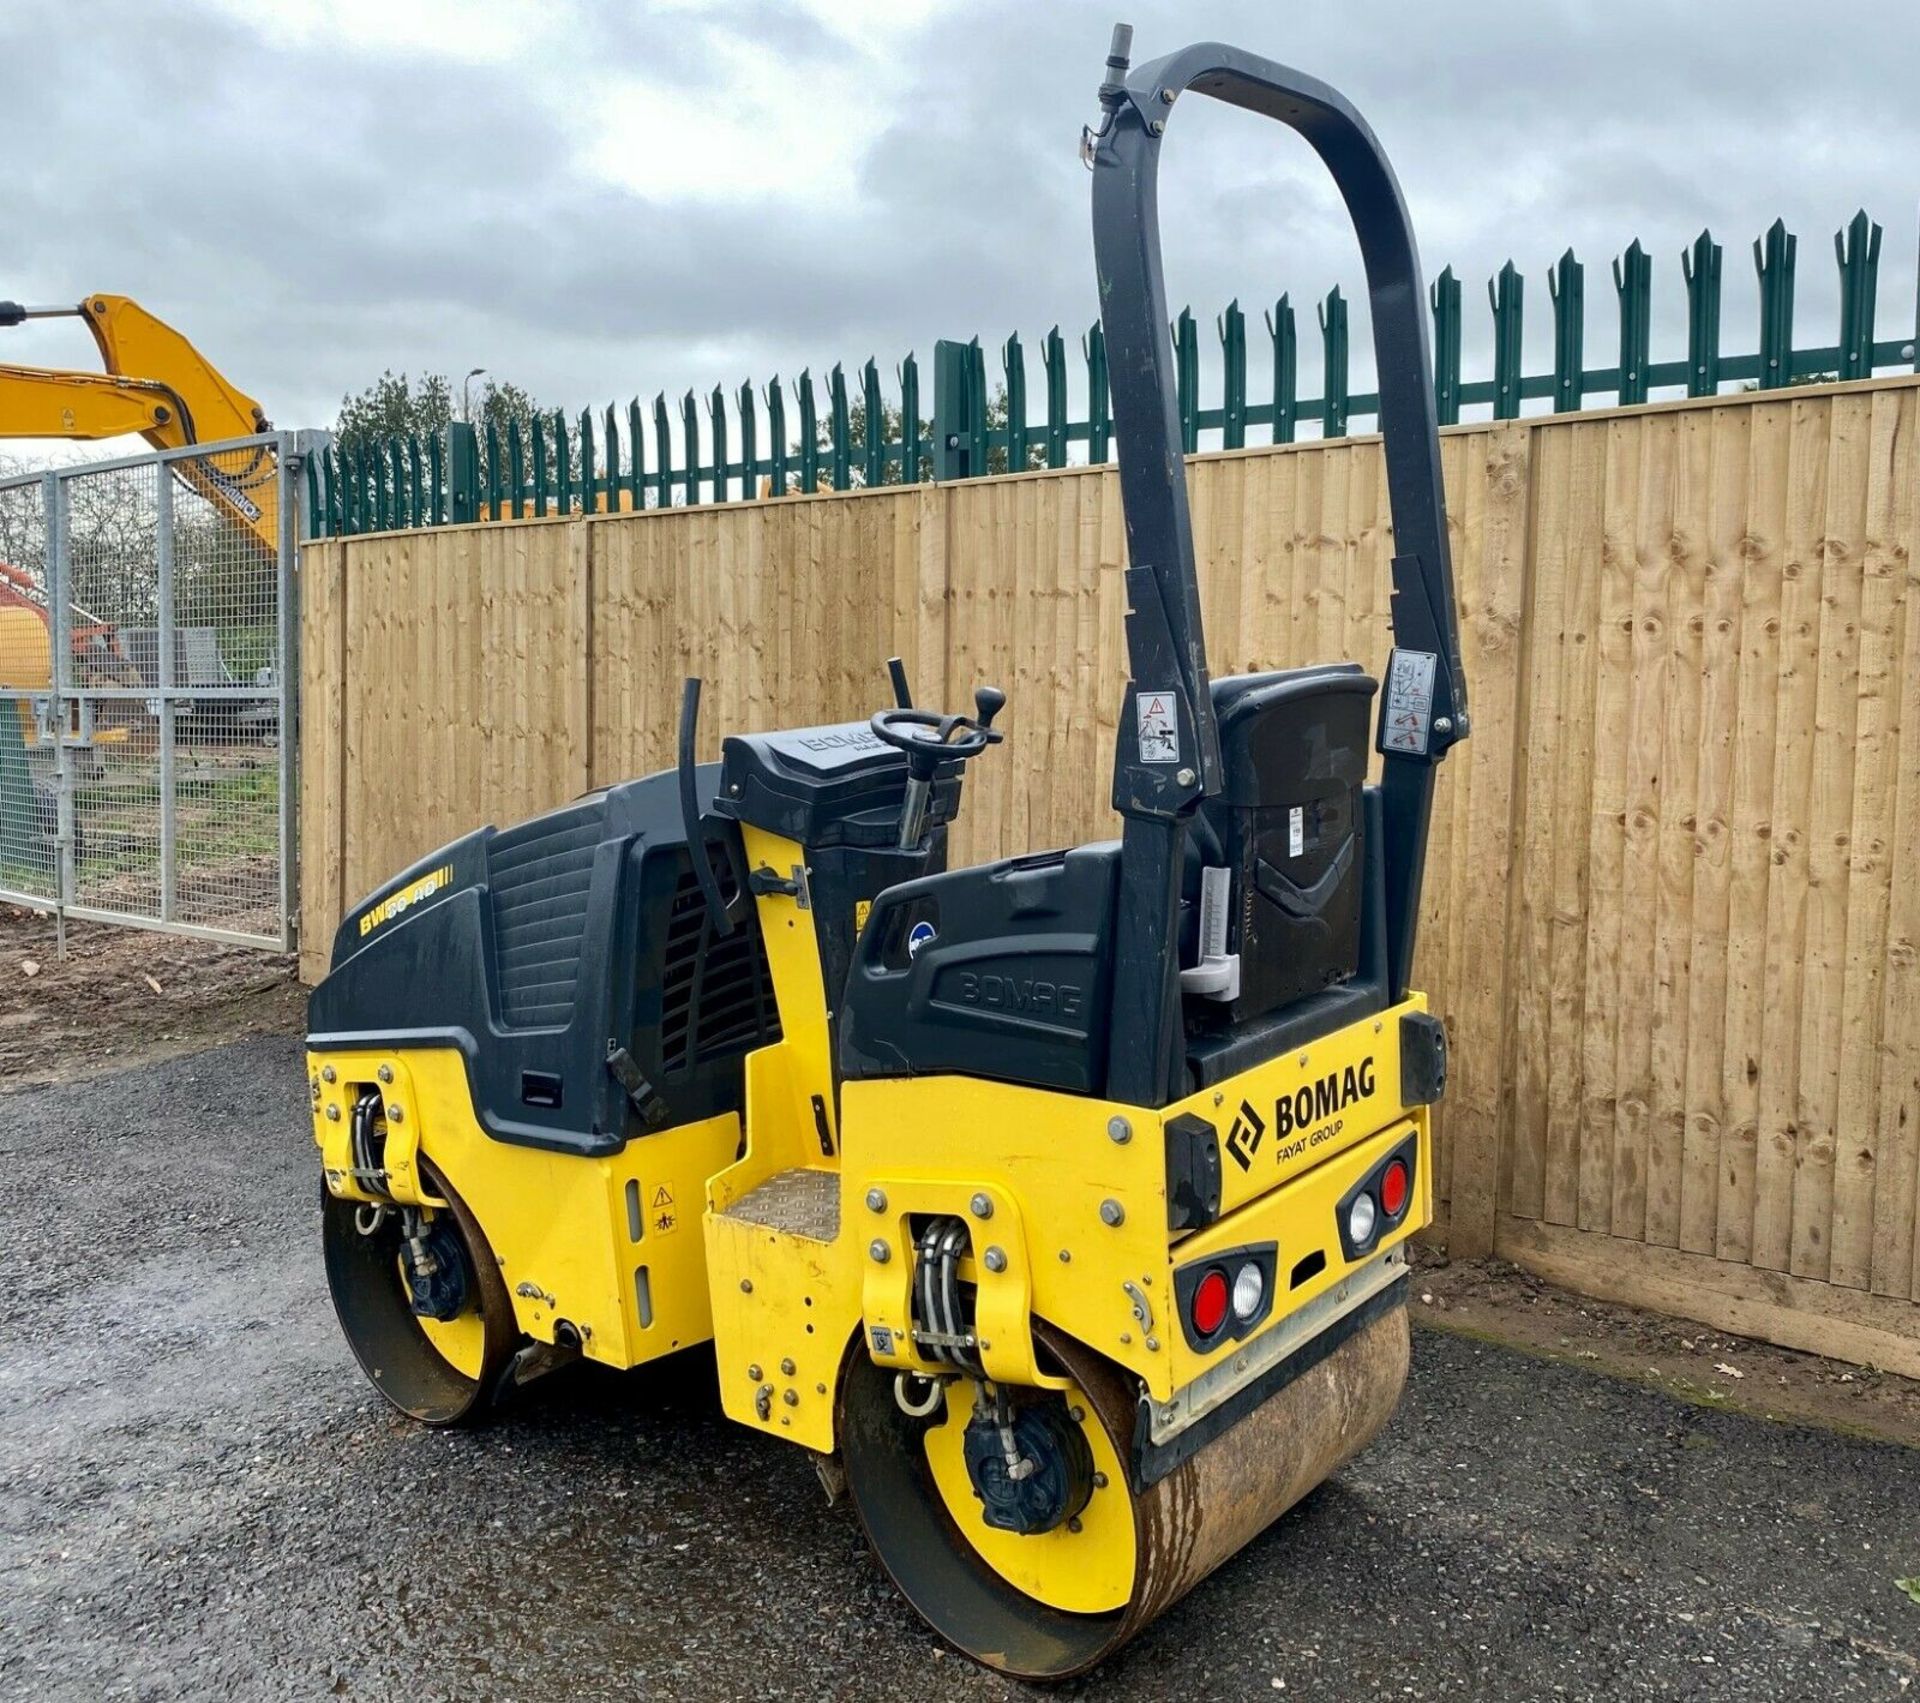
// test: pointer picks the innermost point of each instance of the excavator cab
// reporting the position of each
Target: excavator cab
(1057, 1205)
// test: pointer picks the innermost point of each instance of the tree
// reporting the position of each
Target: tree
(396, 406)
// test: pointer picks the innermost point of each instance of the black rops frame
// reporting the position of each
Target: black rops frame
(1166, 648)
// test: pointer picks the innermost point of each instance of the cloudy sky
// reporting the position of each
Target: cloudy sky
(598, 200)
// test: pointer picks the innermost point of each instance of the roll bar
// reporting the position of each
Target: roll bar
(1168, 757)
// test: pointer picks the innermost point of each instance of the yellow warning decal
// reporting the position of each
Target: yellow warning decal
(861, 909)
(411, 894)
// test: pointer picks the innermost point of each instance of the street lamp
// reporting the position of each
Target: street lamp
(466, 402)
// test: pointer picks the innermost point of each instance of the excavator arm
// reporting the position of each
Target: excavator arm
(156, 384)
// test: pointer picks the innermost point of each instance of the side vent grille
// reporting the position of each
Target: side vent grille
(541, 873)
(716, 993)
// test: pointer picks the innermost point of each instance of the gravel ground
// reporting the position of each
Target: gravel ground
(200, 1496)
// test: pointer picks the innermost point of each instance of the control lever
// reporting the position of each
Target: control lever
(696, 838)
(897, 673)
(988, 702)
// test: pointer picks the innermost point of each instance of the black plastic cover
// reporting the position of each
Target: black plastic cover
(572, 961)
(1003, 970)
(825, 786)
(1423, 1059)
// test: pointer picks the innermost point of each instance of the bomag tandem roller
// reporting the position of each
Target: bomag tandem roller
(1057, 1205)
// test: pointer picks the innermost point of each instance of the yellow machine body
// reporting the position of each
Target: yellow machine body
(612, 1246)
(787, 1254)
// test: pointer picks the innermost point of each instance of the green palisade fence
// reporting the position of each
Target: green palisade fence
(551, 464)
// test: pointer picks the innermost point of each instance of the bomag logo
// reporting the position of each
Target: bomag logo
(1327, 1098)
(1311, 1111)
(1009, 993)
(410, 895)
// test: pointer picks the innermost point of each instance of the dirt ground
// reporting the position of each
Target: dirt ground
(124, 994)
(101, 1010)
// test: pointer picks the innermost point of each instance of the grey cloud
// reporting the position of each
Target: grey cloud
(314, 214)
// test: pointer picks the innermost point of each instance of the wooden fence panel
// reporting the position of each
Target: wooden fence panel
(1667, 917)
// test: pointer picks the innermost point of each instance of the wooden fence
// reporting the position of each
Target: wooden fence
(1669, 917)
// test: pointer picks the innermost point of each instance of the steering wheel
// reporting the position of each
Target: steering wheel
(930, 738)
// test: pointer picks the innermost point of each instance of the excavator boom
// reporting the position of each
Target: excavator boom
(156, 384)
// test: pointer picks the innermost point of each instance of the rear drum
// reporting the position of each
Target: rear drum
(438, 1371)
(1053, 1605)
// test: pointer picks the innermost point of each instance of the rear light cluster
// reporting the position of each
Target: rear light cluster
(1378, 1204)
(1224, 1296)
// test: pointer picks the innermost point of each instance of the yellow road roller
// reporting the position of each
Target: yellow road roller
(1059, 1205)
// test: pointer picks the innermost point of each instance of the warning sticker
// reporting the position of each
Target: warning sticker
(660, 1210)
(1409, 706)
(1296, 830)
(1159, 727)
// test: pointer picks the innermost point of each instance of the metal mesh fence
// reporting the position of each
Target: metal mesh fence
(151, 659)
(28, 802)
(226, 735)
(111, 523)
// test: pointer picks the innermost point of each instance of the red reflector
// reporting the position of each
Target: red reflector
(1393, 1188)
(1210, 1303)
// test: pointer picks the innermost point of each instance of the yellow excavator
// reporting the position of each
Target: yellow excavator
(156, 384)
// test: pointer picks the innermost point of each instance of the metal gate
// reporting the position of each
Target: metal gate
(147, 670)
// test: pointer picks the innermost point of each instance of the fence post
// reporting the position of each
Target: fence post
(463, 473)
(717, 415)
(1566, 284)
(164, 616)
(955, 431)
(1053, 357)
(1014, 364)
(749, 443)
(636, 462)
(1445, 298)
(663, 454)
(1633, 282)
(1506, 293)
(809, 432)
(777, 436)
(841, 428)
(417, 507)
(1093, 347)
(59, 566)
(874, 456)
(1286, 370)
(1333, 339)
(690, 430)
(1857, 248)
(1232, 326)
(1186, 377)
(1774, 264)
(588, 503)
(912, 445)
(1700, 266)
(316, 518)
(611, 425)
